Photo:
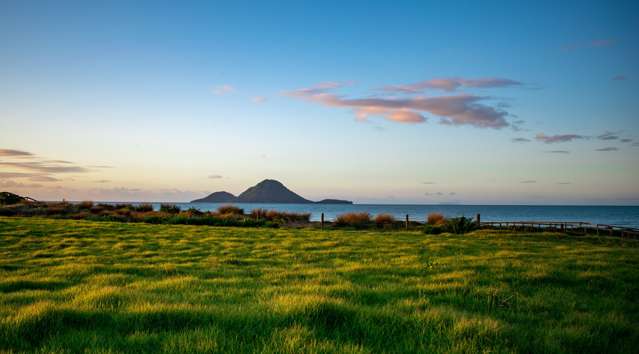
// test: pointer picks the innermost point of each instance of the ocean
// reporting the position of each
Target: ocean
(612, 215)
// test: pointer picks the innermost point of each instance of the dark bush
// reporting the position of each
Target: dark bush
(460, 225)
(280, 216)
(86, 205)
(259, 213)
(142, 207)
(7, 198)
(230, 209)
(433, 229)
(192, 212)
(169, 208)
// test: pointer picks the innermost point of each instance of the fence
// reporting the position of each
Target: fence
(572, 227)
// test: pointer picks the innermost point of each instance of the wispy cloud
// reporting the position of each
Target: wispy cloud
(223, 89)
(607, 149)
(452, 110)
(602, 42)
(43, 178)
(15, 175)
(564, 183)
(451, 84)
(38, 166)
(595, 43)
(214, 176)
(530, 181)
(520, 140)
(18, 185)
(14, 153)
(608, 136)
(102, 181)
(619, 78)
(561, 138)
(35, 177)
(258, 99)
(428, 182)
(558, 152)
(626, 140)
(100, 166)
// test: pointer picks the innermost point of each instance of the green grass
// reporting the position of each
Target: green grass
(73, 286)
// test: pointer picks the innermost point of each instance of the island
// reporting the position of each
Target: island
(267, 191)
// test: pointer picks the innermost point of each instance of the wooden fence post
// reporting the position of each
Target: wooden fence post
(406, 221)
(322, 221)
(478, 220)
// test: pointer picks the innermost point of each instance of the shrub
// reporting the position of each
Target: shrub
(435, 219)
(460, 225)
(384, 219)
(142, 207)
(282, 216)
(259, 213)
(61, 208)
(169, 208)
(7, 198)
(86, 205)
(230, 209)
(357, 220)
(123, 206)
(105, 206)
(191, 212)
(433, 229)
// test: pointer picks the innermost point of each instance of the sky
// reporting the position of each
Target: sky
(421, 102)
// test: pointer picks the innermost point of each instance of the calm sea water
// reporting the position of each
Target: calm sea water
(613, 215)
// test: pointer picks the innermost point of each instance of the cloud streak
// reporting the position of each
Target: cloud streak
(460, 109)
(607, 149)
(595, 43)
(223, 89)
(38, 166)
(14, 153)
(452, 84)
(608, 136)
(520, 140)
(561, 138)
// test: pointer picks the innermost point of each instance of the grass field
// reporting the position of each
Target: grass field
(72, 286)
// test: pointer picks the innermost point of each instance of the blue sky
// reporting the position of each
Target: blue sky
(384, 102)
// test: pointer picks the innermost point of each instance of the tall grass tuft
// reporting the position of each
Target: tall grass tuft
(169, 208)
(357, 220)
(143, 207)
(435, 219)
(230, 209)
(384, 219)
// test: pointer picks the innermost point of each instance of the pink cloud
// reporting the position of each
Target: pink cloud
(453, 110)
(452, 84)
(223, 89)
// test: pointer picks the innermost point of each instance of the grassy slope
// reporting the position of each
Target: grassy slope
(75, 285)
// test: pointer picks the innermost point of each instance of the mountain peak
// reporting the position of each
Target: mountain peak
(267, 191)
(270, 191)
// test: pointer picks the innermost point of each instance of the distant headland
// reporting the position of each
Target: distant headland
(267, 191)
